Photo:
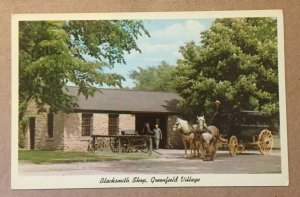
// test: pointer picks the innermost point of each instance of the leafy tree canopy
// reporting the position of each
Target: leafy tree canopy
(55, 53)
(155, 78)
(236, 63)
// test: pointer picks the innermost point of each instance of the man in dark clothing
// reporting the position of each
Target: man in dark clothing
(215, 120)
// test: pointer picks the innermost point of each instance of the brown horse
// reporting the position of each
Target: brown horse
(210, 129)
(209, 139)
(208, 144)
(188, 136)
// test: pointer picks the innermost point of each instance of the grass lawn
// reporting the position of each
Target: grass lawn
(49, 157)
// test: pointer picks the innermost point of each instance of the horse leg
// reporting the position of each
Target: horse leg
(197, 148)
(190, 146)
(185, 147)
(185, 150)
(201, 149)
(193, 147)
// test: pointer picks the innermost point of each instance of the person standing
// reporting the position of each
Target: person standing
(215, 120)
(157, 136)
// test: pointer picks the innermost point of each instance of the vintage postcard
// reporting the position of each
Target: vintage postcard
(156, 99)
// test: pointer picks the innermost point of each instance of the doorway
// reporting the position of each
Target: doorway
(153, 118)
(32, 132)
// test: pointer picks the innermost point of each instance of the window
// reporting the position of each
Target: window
(113, 124)
(86, 124)
(50, 125)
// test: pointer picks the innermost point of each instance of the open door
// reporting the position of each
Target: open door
(32, 132)
(153, 118)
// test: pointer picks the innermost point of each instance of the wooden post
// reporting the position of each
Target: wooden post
(119, 145)
(150, 145)
(94, 143)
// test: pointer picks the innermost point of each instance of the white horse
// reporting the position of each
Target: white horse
(210, 129)
(209, 146)
(209, 138)
(188, 136)
(202, 124)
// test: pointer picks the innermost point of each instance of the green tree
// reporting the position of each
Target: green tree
(53, 54)
(154, 78)
(236, 62)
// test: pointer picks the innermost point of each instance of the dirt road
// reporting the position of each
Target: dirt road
(170, 162)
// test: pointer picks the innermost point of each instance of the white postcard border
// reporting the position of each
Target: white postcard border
(73, 181)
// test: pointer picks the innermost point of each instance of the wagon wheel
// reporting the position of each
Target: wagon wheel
(145, 146)
(131, 149)
(114, 144)
(98, 145)
(265, 142)
(104, 144)
(132, 146)
(125, 143)
(90, 146)
(241, 148)
(233, 146)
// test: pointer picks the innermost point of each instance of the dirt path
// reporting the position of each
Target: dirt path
(171, 162)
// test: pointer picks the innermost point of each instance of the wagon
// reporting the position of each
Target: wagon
(128, 141)
(131, 141)
(246, 129)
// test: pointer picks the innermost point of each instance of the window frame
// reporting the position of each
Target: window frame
(86, 124)
(113, 124)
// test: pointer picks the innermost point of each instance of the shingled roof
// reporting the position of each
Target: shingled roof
(120, 100)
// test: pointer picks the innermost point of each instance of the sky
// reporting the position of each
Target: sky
(166, 38)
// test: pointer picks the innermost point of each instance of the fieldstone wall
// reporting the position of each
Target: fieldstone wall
(100, 124)
(174, 138)
(126, 121)
(42, 139)
(73, 141)
(58, 129)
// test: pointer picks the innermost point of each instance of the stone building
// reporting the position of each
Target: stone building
(106, 113)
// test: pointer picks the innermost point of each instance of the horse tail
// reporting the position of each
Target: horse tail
(222, 140)
(215, 132)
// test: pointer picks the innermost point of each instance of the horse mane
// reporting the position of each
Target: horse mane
(186, 127)
(201, 118)
(202, 124)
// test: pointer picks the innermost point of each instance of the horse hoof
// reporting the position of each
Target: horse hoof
(208, 158)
